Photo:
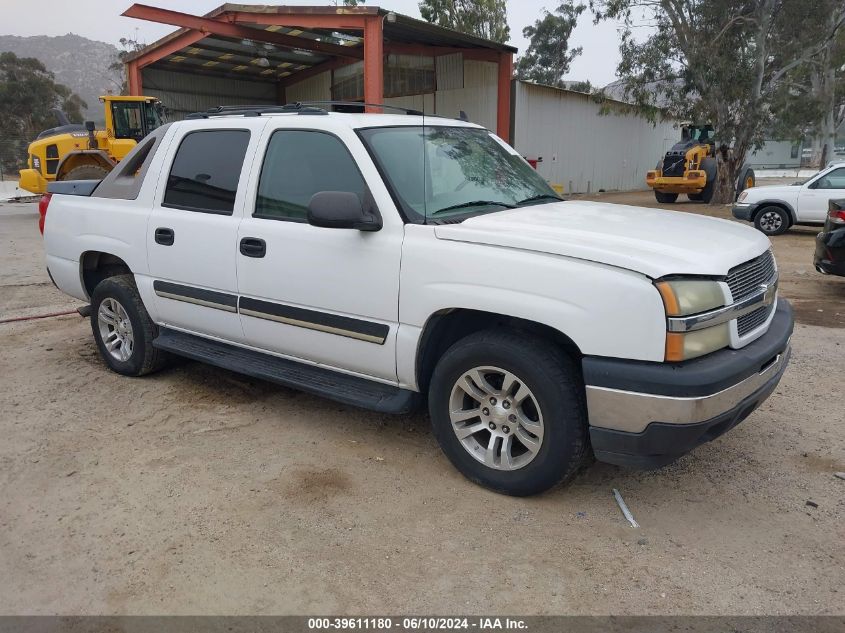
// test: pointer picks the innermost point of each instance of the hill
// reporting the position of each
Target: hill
(77, 62)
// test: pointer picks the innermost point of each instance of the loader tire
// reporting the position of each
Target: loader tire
(86, 172)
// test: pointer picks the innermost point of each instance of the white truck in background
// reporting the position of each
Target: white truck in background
(775, 208)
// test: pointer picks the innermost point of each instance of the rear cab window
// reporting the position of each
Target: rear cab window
(206, 171)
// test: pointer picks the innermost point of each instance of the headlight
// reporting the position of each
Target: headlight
(36, 163)
(683, 297)
(742, 196)
(686, 297)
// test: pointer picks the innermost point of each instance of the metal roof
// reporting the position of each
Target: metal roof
(260, 59)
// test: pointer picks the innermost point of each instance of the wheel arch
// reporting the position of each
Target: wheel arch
(94, 266)
(445, 327)
(759, 206)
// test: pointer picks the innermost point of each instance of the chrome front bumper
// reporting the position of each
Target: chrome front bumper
(646, 415)
(632, 412)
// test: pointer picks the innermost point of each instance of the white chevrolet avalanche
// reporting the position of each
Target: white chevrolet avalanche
(388, 260)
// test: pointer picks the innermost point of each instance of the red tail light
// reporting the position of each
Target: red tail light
(42, 210)
(837, 215)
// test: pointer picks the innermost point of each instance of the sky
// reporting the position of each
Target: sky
(101, 20)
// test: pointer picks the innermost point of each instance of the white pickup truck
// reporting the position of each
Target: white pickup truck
(774, 208)
(388, 260)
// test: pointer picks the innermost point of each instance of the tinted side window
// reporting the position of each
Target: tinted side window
(206, 170)
(299, 164)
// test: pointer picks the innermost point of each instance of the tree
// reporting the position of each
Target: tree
(487, 19)
(811, 101)
(548, 56)
(719, 61)
(580, 86)
(28, 93)
(128, 46)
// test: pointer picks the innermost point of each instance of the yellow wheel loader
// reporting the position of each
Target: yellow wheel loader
(74, 151)
(689, 167)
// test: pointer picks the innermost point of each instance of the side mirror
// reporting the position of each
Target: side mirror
(340, 210)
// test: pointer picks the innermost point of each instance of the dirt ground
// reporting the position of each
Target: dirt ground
(200, 491)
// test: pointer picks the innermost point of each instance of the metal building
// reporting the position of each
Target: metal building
(581, 149)
(253, 54)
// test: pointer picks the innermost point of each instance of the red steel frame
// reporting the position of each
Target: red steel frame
(370, 23)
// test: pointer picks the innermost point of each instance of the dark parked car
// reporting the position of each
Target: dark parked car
(830, 243)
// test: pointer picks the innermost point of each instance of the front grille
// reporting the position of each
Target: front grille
(674, 165)
(748, 322)
(745, 278)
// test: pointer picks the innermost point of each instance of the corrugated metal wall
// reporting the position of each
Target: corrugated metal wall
(184, 93)
(581, 149)
(316, 88)
(425, 102)
(477, 97)
(450, 71)
(776, 155)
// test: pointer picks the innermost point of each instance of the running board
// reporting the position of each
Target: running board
(352, 390)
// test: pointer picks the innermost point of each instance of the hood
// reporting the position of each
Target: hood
(765, 192)
(649, 241)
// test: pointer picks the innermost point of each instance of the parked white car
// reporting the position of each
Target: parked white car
(774, 208)
(386, 260)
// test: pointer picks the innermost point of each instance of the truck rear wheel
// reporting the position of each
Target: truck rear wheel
(86, 172)
(508, 411)
(665, 198)
(122, 328)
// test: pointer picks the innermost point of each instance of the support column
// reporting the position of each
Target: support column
(373, 62)
(503, 101)
(133, 71)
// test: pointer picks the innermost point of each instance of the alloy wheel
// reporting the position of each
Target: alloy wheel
(496, 418)
(115, 329)
(771, 221)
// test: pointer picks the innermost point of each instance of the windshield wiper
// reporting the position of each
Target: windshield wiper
(476, 203)
(542, 196)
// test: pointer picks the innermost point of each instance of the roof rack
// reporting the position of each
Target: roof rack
(309, 107)
(244, 110)
(360, 104)
(299, 107)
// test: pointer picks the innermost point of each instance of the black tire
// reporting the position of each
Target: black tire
(710, 168)
(554, 381)
(695, 197)
(86, 172)
(665, 198)
(772, 220)
(747, 179)
(144, 358)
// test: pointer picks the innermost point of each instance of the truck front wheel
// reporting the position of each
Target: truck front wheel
(771, 220)
(508, 410)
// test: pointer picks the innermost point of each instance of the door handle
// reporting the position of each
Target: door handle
(253, 247)
(164, 236)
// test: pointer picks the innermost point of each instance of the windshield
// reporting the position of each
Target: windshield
(154, 114)
(128, 122)
(134, 119)
(439, 173)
